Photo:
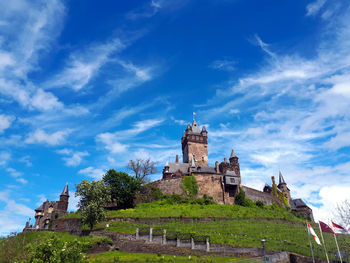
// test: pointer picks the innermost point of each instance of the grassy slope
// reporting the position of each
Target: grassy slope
(244, 227)
(118, 256)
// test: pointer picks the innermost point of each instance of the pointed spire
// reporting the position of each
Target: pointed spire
(233, 154)
(65, 190)
(167, 164)
(281, 179)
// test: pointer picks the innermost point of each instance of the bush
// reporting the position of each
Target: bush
(56, 250)
(259, 204)
(240, 199)
(189, 186)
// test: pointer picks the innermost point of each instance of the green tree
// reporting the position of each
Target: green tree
(55, 250)
(93, 197)
(123, 188)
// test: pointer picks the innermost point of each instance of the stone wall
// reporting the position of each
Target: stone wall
(256, 195)
(69, 225)
(211, 185)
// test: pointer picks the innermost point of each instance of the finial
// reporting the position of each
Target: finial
(194, 114)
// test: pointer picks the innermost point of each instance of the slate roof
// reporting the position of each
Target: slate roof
(205, 169)
(174, 167)
(233, 154)
(297, 203)
(281, 179)
(195, 128)
(65, 190)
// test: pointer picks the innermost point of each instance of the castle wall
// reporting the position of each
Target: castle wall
(200, 152)
(256, 195)
(208, 184)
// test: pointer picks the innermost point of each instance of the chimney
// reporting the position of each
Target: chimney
(177, 159)
(217, 167)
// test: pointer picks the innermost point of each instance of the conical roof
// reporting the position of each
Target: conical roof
(65, 190)
(194, 127)
(233, 154)
(281, 179)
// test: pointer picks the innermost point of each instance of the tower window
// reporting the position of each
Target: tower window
(202, 158)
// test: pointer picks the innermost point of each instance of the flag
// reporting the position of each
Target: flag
(194, 113)
(312, 233)
(338, 229)
(326, 228)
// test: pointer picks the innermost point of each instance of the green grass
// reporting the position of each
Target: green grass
(159, 209)
(13, 247)
(289, 236)
(118, 256)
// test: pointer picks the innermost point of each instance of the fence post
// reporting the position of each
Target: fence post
(150, 234)
(208, 245)
(137, 233)
(192, 243)
(164, 236)
(178, 242)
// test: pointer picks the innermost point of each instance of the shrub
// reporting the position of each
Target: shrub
(189, 186)
(56, 250)
(259, 204)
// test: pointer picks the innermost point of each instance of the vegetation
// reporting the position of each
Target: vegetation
(118, 256)
(94, 196)
(123, 188)
(142, 169)
(24, 246)
(189, 186)
(343, 212)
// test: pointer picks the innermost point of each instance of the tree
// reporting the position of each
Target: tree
(123, 188)
(343, 212)
(142, 168)
(94, 196)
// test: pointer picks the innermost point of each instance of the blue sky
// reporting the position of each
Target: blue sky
(86, 86)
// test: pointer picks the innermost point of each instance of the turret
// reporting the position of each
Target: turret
(234, 163)
(64, 197)
(283, 187)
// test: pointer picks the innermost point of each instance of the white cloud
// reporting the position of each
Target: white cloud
(111, 143)
(44, 101)
(227, 65)
(40, 136)
(13, 172)
(4, 158)
(74, 157)
(82, 66)
(95, 173)
(314, 7)
(5, 121)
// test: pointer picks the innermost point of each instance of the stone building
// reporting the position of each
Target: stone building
(48, 211)
(222, 181)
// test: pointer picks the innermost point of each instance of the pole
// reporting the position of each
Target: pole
(336, 242)
(308, 236)
(324, 244)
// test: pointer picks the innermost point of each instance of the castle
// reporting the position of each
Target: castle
(222, 181)
(48, 211)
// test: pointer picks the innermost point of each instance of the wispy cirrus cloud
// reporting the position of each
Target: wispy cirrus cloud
(83, 65)
(227, 65)
(314, 7)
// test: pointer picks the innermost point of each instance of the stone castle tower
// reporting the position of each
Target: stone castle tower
(48, 211)
(195, 144)
(283, 187)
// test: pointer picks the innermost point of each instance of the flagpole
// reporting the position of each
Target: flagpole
(324, 244)
(336, 242)
(308, 236)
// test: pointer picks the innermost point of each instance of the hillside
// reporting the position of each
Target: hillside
(224, 224)
(231, 225)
